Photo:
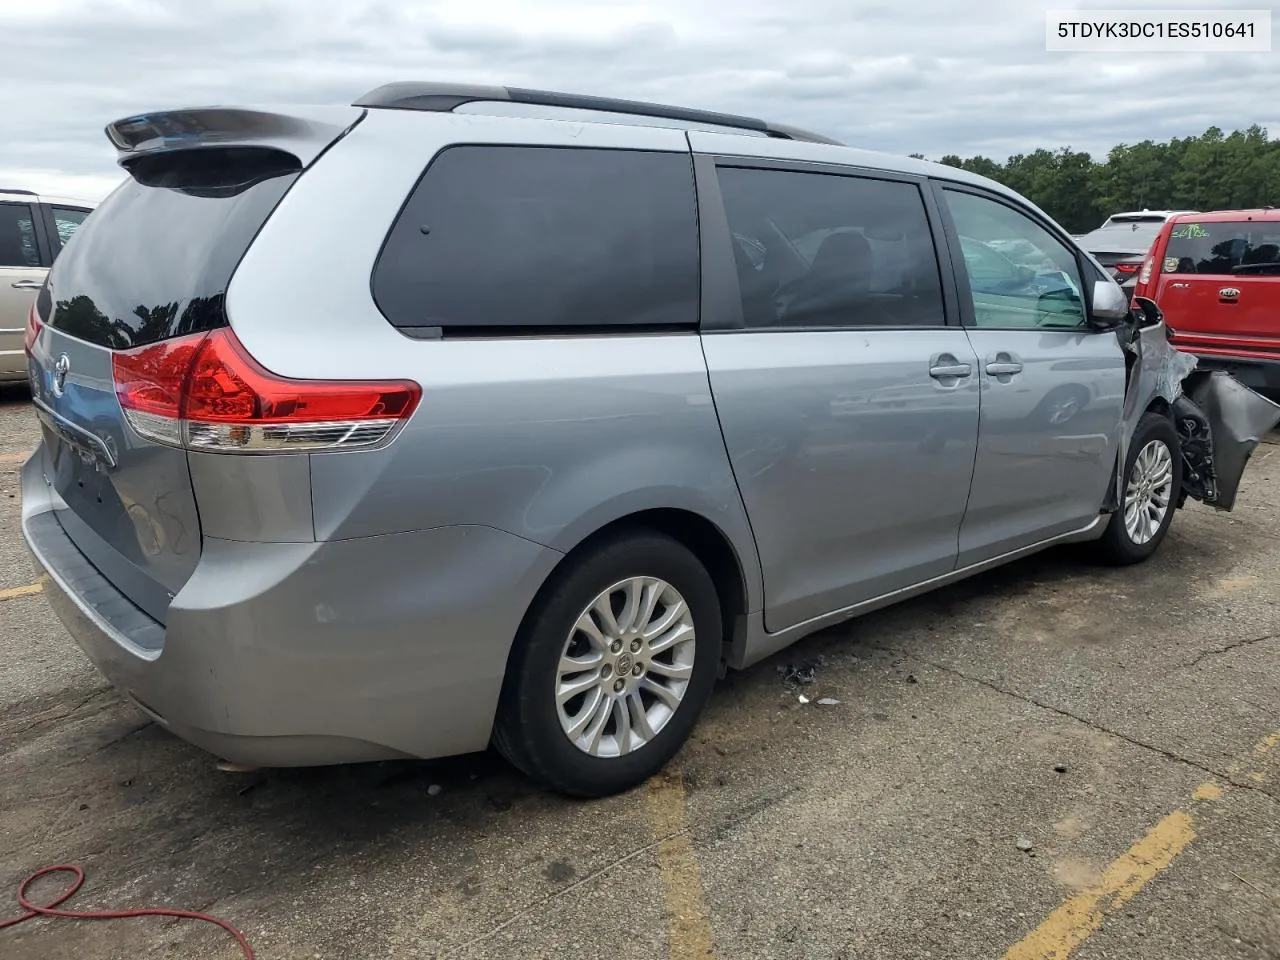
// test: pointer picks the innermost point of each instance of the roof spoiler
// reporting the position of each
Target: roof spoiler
(304, 133)
(445, 97)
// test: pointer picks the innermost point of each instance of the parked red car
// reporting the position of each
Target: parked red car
(1216, 277)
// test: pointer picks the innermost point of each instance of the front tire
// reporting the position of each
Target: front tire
(1149, 493)
(612, 667)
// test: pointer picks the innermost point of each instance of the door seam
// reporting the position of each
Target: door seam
(977, 446)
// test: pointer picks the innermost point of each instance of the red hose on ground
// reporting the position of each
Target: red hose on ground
(50, 909)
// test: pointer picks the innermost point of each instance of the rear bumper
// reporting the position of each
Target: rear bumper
(292, 654)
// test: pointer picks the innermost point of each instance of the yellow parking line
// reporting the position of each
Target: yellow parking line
(1082, 914)
(12, 592)
(688, 919)
(1073, 922)
(1266, 746)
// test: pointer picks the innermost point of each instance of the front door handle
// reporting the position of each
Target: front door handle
(26, 284)
(1003, 368)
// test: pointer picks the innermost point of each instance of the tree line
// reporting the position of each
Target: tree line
(1214, 171)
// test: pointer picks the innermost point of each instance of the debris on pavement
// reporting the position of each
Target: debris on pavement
(802, 673)
(803, 698)
(434, 790)
(829, 702)
(1059, 768)
(1024, 845)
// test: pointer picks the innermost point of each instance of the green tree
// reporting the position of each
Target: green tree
(1213, 171)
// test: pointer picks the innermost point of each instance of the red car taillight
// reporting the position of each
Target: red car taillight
(1145, 276)
(205, 392)
(33, 329)
(1126, 268)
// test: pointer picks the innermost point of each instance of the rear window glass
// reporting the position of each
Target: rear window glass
(154, 262)
(539, 237)
(1122, 236)
(1223, 248)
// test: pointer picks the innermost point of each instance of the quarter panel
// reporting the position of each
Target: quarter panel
(400, 641)
(300, 300)
(251, 498)
(547, 438)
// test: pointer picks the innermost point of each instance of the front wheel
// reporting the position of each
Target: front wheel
(1152, 479)
(612, 668)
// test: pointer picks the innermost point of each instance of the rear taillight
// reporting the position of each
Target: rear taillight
(33, 329)
(205, 392)
(1126, 268)
(1145, 276)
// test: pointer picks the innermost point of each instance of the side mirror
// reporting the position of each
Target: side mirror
(1151, 315)
(1110, 304)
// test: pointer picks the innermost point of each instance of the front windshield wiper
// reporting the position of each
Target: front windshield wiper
(1257, 267)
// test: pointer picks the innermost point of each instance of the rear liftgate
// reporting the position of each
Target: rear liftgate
(1218, 419)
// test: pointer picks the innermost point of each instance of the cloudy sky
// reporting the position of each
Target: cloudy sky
(929, 76)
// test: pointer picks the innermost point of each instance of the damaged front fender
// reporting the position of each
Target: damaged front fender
(1218, 419)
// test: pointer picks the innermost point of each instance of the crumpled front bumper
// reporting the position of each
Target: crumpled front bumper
(1219, 420)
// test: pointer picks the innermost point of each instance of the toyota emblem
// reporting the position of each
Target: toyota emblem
(60, 371)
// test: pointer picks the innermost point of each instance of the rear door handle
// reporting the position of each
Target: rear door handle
(26, 284)
(946, 367)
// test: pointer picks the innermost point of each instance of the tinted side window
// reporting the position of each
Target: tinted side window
(1020, 275)
(1223, 248)
(18, 236)
(537, 237)
(67, 220)
(823, 250)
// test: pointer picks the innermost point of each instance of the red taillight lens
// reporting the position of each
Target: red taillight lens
(228, 386)
(206, 392)
(1126, 268)
(34, 327)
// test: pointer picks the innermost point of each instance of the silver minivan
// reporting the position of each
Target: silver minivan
(471, 415)
(33, 230)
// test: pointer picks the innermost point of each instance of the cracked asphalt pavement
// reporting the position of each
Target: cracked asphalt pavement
(1120, 723)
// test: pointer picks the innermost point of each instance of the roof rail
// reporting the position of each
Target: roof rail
(444, 97)
(25, 193)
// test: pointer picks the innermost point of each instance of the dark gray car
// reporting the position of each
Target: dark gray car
(1122, 242)
(468, 415)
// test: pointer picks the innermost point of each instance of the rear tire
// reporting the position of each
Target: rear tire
(612, 667)
(1149, 494)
